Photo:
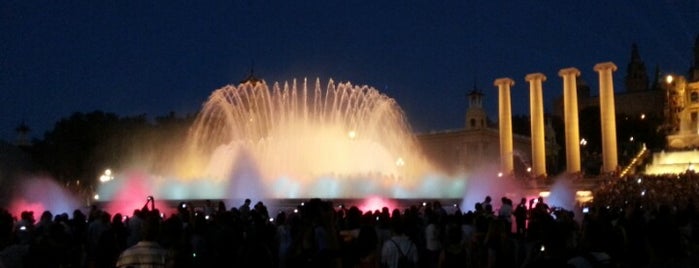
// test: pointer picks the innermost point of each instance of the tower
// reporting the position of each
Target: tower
(636, 76)
(476, 116)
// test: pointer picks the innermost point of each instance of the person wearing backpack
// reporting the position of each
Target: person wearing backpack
(398, 251)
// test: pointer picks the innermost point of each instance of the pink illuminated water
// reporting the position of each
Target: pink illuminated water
(134, 194)
(373, 203)
(39, 194)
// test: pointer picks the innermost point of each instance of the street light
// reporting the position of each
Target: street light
(107, 176)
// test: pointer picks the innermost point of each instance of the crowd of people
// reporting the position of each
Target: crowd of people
(632, 222)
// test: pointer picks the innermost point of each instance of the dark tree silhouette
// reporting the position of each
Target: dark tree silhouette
(81, 146)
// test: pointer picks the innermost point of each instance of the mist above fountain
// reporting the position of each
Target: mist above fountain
(300, 140)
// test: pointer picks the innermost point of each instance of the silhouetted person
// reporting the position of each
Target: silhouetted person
(520, 214)
(245, 210)
(454, 253)
(542, 206)
(147, 252)
(505, 212)
(398, 245)
(134, 228)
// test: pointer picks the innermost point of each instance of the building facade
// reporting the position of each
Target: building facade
(476, 145)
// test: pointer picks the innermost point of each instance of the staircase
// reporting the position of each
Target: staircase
(637, 160)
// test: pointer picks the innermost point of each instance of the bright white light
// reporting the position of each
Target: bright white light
(400, 162)
(669, 79)
(583, 193)
(639, 181)
(352, 134)
(583, 142)
(97, 197)
(499, 174)
(643, 116)
(529, 169)
(107, 176)
(631, 138)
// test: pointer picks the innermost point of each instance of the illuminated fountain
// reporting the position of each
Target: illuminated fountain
(298, 141)
(683, 140)
(38, 194)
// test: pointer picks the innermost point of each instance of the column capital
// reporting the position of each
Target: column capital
(569, 71)
(605, 66)
(535, 76)
(504, 81)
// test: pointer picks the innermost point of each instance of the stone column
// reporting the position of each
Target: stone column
(505, 119)
(536, 112)
(607, 115)
(570, 118)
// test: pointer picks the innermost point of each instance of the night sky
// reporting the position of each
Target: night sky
(153, 57)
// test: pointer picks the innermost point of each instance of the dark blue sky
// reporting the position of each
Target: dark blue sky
(153, 57)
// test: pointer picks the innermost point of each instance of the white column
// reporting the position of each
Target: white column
(536, 112)
(505, 119)
(607, 116)
(570, 110)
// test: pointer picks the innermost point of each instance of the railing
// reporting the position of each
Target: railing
(638, 159)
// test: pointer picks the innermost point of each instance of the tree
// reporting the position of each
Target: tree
(82, 146)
